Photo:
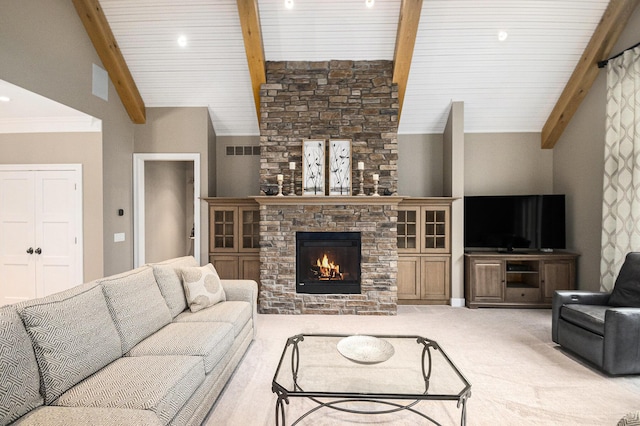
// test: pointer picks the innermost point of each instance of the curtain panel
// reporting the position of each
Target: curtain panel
(621, 195)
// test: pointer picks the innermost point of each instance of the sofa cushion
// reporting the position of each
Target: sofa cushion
(202, 287)
(161, 384)
(207, 340)
(83, 416)
(590, 317)
(136, 305)
(237, 313)
(626, 290)
(19, 377)
(169, 281)
(73, 336)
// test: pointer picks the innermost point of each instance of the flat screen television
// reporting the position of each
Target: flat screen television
(514, 222)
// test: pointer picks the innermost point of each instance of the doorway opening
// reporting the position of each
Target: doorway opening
(176, 222)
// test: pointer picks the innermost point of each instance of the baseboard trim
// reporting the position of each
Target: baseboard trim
(457, 303)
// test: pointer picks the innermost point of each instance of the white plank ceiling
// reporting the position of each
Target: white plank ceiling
(508, 86)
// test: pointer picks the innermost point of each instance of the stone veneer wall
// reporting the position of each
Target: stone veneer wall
(330, 100)
(278, 227)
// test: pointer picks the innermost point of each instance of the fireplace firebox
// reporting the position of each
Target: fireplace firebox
(328, 262)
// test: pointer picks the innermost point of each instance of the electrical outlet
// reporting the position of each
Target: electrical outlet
(118, 238)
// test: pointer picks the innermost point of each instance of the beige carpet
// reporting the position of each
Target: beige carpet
(518, 375)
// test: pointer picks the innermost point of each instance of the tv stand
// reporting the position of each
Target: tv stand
(516, 279)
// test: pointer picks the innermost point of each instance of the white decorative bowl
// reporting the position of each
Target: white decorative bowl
(365, 349)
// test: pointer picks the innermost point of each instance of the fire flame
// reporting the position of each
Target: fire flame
(328, 270)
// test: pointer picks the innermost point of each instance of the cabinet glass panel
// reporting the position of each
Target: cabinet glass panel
(251, 229)
(223, 229)
(407, 225)
(435, 229)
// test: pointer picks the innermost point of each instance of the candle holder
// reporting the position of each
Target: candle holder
(280, 194)
(375, 188)
(361, 176)
(292, 191)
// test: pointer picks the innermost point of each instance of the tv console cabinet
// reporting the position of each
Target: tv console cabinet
(517, 280)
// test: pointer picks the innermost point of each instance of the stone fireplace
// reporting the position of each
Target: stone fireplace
(281, 218)
(353, 100)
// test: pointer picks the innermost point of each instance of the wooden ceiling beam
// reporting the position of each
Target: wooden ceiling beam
(602, 41)
(408, 22)
(252, 35)
(99, 31)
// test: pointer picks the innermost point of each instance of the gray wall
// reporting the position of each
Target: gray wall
(453, 185)
(579, 168)
(238, 175)
(420, 164)
(45, 49)
(506, 164)
(213, 158)
(68, 148)
(180, 130)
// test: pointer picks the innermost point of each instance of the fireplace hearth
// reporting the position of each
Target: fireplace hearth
(328, 262)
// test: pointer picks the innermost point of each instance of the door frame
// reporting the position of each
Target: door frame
(79, 200)
(139, 161)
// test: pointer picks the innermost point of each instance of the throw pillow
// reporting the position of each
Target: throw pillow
(202, 287)
(626, 291)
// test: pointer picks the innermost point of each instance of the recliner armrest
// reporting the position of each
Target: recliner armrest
(622, 341)
(565, 297)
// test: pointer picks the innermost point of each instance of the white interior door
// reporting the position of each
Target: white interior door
(40, 233)
(55, 231)
(17, 237)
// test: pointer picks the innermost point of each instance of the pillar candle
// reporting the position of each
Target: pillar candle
(280, 178)
(360, 165)
(292, 165)
(375, 177)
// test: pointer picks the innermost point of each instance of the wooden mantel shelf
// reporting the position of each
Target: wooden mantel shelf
(327, 200)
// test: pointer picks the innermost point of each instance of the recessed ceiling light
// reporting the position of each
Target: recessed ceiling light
(502, 35)
(369, 3)
(182, 41)
(288, 4)
(4, 99)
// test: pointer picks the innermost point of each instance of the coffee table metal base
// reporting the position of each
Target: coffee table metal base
(283, 398)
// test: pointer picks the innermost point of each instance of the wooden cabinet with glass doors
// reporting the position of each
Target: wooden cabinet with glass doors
(234, 238)
(424, 253)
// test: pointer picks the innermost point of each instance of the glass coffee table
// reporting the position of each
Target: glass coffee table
(367, 375)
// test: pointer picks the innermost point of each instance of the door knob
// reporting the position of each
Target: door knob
(30, 250)
(38, 250)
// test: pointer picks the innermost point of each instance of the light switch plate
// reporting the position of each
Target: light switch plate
(118, 238)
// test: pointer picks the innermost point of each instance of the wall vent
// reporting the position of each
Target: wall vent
(243, 150)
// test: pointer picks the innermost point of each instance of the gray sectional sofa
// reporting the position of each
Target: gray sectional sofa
(125, 349)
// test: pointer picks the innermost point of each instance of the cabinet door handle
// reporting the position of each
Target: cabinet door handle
(38, 250)
(30, 250)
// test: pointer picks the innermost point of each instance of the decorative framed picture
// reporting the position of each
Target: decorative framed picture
(340, 167)
(313, 167)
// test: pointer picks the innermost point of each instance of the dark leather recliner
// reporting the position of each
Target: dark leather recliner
(603, 328)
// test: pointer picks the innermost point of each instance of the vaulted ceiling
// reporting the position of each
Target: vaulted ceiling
(507, 86)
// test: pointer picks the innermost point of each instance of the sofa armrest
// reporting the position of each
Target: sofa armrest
(565, 297)
(243, 290)
(622, 341)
